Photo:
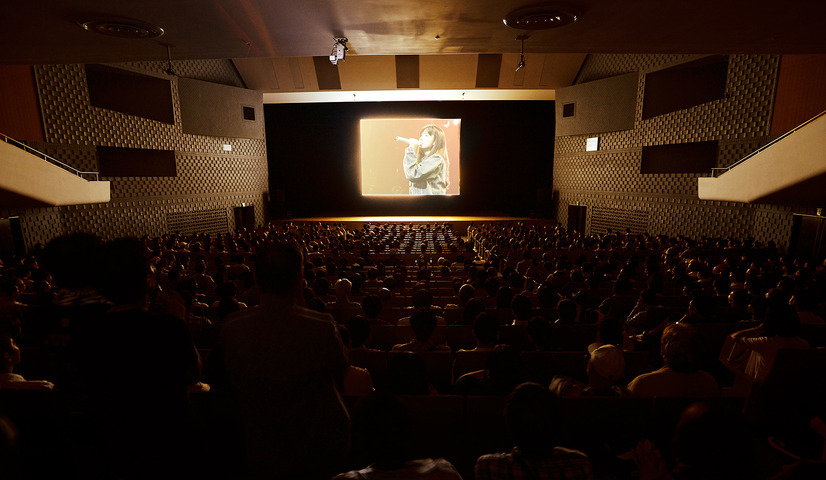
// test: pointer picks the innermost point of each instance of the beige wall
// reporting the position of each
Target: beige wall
(209, 181)
(609, 181)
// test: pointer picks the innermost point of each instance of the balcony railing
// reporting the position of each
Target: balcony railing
(716, 172)
(95, 176)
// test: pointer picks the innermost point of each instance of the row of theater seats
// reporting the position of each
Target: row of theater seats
(443, 368)
(460, 428)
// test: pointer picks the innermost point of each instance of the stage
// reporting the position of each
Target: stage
(459, 222)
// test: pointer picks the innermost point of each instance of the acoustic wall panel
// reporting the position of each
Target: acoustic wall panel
(130, 93)
(19, 109)
(407, 71)
(220, 110)
(606, 105)
(208, 178)
(136, 162)
(684, 85)
(611, 177)
(487, 70)
(693, 157)
(800, 93)
(326, 73)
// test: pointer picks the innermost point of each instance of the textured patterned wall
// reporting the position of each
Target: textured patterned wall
(609, 181)
(208, 180)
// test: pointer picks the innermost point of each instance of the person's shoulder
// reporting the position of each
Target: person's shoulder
(569, 453)
(434, 468)
(354, 474)
(403, 347)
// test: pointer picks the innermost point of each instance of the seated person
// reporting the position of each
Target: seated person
(534, 417)
(466, 292)
(541, 333)
(605, 368)
(356, 380)
(422, 300)
(9, 358)
(227, 303)
(568, 312)
(342, 289)
(738, 307)
(372, 306)
(424, 324)
(780, 330)
(485, 332)
(522, 310)
(638, 319)
(382, 433)
(709, 443)
(472, 308)
(680, 375)
(407, 375)
(359, 328)
(504, 370)
(805, 302)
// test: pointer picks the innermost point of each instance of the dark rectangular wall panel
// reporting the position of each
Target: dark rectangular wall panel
(326, 74)
(19, 106)
(136, 162)
(218, 110)
(487, 70)
(606, 105)
(407, 71)
(800, 93)
(685, 85)
(130, 93)
(695, 157)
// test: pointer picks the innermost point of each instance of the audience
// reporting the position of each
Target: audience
(424, 323)
(605, 368)
(504, 369)
(680, 375)
(136, 368)
(285, 363)
(780, 331)
(10, 358)
(382, 432)
(535, 420)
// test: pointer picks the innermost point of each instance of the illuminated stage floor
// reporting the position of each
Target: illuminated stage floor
(458, 221)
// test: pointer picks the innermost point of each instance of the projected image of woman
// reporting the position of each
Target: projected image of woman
(426, 163)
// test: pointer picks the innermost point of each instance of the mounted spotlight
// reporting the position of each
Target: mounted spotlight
(521, 63)
(339, 50)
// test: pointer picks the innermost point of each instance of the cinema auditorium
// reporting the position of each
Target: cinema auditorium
(472, 239)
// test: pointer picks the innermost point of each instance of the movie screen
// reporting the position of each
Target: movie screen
(410, 156)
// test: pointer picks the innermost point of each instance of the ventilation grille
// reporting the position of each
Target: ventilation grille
(618, 219)
(198, 221)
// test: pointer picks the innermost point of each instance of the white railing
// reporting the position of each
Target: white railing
(717, 171)
(52, 160)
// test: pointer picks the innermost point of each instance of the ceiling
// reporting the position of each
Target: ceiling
(266, 32)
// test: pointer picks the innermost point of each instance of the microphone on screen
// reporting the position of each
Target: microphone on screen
(409, 141)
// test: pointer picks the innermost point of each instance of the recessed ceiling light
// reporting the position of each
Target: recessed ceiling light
(123, 28)
(539, 17)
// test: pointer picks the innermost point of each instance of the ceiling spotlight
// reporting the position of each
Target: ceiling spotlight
(521, 63)
(339, 50)
(539, 17)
